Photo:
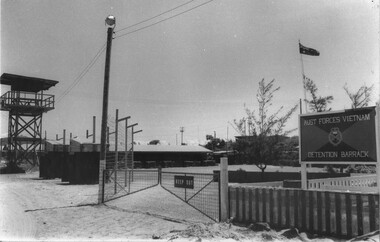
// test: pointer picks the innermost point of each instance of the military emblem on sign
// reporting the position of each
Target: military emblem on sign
(335, 136)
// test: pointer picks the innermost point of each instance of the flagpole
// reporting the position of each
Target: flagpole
(303, 165)
(303, 77)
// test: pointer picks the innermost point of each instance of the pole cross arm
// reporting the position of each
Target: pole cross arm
(132, 125)
(71, 136)
(93, 130)
(108, 131)
(88, 135)
(119, 120)
(137, 131)
(63, 137)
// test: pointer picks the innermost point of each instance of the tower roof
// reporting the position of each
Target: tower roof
(25, 83)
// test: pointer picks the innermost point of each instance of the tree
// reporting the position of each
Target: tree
(361, 97)
(215, 143)
(262, 130)
(317, 103)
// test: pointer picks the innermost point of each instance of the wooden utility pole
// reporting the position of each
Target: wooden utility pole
(110, 21)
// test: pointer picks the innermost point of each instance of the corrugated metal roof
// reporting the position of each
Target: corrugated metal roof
(55, 142)
(83, 140)
(146, 148)
(170, 148)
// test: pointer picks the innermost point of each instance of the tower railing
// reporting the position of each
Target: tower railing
(30, 99)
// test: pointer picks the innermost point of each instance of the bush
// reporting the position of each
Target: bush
(137, 164)
(209, 162)
(364, 169)
(151, 164)
(168, 163)
(240, 170)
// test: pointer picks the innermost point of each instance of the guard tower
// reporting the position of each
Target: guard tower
(26, 102)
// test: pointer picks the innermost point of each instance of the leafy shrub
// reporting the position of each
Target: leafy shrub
(364, 169)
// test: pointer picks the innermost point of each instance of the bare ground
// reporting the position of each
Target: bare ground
(35, 209)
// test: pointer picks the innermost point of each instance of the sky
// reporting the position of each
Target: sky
(195, 70)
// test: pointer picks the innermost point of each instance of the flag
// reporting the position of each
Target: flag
(308, 51)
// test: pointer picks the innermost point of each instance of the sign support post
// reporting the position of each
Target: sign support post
(303, 176)
(377, 127)
(303, 165)
(344, 137)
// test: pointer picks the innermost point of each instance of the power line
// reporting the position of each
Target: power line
(96, 57)
(158, 15)
(165, 19)
(82, 73)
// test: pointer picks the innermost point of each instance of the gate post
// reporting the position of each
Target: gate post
(224, 207)
(159, 175)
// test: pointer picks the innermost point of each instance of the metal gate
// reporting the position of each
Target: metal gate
(121, 182)
(201, 191)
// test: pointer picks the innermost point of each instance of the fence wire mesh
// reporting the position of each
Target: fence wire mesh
(201, 192)
(119, 153)
(118, 183)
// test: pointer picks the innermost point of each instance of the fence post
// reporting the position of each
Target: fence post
(185, 189)
(125, 177)
(159, 175)
(115, 168)
(103, 183)
(102, 167)
(224, 189)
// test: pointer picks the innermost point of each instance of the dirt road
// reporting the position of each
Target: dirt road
(14, 223)
(32, 208)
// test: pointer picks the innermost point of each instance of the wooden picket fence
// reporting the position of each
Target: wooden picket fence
(365, 183)
(340, 214)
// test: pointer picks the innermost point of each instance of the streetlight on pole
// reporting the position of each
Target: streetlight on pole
(110, 22)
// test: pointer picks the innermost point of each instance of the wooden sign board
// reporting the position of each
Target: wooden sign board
(184, 182)
(339, 137)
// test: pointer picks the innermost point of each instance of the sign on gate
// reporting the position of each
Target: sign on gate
(184, 181)
(337, 137)
(199, 190)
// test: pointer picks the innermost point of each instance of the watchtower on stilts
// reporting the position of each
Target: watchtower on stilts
(25, 102)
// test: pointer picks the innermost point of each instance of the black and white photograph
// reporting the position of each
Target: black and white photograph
(190, 120)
